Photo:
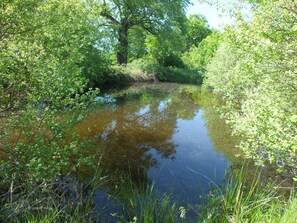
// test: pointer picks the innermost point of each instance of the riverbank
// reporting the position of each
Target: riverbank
(139, 71)
(242, 199)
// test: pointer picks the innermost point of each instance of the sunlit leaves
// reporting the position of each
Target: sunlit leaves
(197, 30)
(43, 49)
(256, 72)
(199, 56)
(153, 17)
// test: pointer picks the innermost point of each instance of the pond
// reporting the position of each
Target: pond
(164, 134)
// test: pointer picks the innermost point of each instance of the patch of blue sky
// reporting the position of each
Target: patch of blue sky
(220, 13)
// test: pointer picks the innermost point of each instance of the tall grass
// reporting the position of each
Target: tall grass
(244, 198)
(62, 200)
(241, 198)
(143, 203)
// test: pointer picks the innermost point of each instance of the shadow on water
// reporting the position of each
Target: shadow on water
(164, 133)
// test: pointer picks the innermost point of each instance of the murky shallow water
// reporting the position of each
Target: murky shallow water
(158, 133)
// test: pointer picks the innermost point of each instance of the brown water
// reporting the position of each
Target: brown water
(158, 133)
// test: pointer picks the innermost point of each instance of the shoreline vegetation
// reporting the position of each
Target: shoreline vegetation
(246, 195)
(139, 71)
(54, 56)
(243, 197)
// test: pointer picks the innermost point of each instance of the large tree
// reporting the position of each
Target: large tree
(151, 15)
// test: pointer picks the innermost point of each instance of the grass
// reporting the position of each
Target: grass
(245, 199)
(141, 71)
(132, 72)
(60, 200)
(242, 198)
(144, 204)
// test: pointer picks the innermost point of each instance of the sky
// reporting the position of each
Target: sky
(216, 18)
(210, 12)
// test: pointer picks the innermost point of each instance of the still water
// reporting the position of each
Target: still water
(161, 134)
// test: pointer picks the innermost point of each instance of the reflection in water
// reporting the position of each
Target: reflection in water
(158, 132)
(219, 131)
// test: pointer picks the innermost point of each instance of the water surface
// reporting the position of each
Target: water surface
(160, 133)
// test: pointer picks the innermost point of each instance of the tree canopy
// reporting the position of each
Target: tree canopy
(152, 16)
(197, 30)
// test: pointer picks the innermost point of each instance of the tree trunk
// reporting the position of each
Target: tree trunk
(122, 55)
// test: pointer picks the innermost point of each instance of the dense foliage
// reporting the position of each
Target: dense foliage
(43, 47)
(151, 16)
(255, 71)
(197, 30)
(199, 56)
(55, 53)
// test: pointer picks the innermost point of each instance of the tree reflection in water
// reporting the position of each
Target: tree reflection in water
(142, 122)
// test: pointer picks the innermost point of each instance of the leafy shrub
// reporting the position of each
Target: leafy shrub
(173, 61)
(255, 71)
(199, 56)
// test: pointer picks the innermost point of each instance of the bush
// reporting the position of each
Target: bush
(173, 61)
(255, 71)
(199, 56)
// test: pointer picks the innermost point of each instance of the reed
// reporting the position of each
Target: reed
(244, 198)
(143, 203)
(241, 198)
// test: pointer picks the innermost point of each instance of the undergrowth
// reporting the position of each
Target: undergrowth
(241, 198)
